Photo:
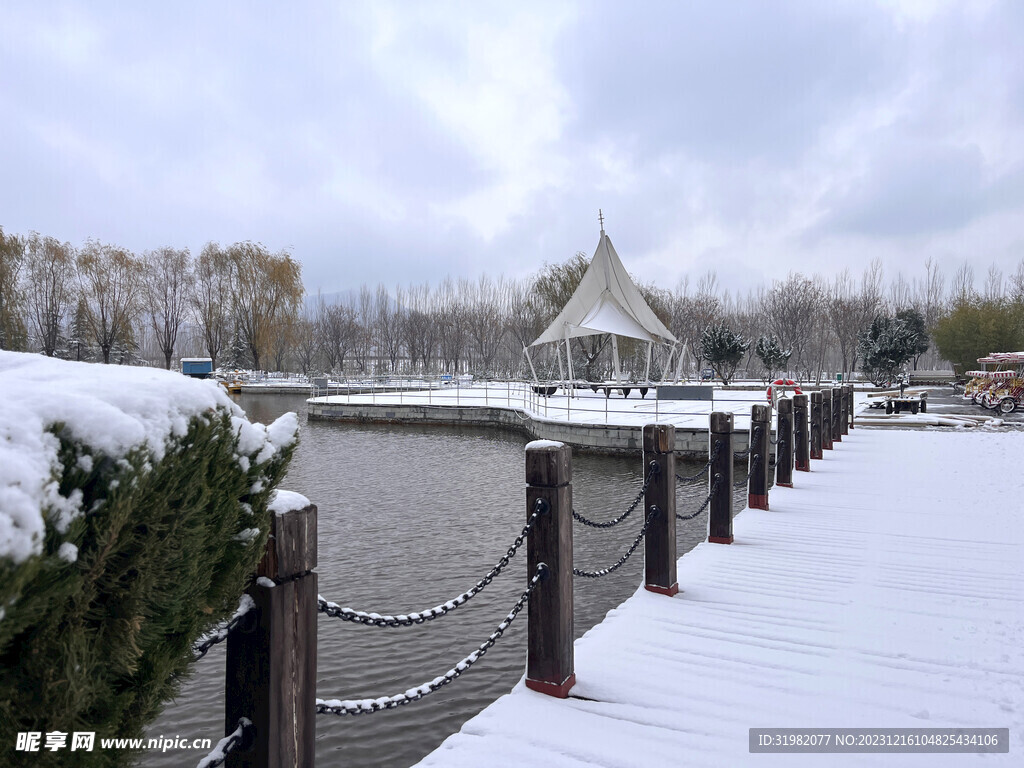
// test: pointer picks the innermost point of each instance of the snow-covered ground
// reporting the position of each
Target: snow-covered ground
(883, 591)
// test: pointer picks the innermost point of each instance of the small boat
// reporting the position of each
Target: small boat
(234, 387)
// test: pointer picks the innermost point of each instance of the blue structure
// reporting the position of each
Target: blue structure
(197, 367)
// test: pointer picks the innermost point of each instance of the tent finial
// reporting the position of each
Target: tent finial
(600, 218)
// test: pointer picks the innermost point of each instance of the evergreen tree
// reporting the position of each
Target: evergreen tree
(885, 347)
(723, 349)
(771, 354)
(914, 321)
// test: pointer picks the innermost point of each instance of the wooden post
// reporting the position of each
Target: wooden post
(816, 425)
(826, 419)
(849, 395)
(837, 414)
(720, 513)
(549, 655)
(757, 485)
(844, 410)
(271, 663)
(784, 450)
(660, 543)
(801, 443)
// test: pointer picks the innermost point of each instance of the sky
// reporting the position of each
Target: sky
(401, 142)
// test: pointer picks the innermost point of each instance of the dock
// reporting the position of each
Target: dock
(882, 591)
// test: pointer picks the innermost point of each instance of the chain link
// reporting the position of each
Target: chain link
(235, 740)
(363, 706)
(654, 470)
(220, 634)
(370, 619)
(699, 475)
(707, 501)
(636, 543)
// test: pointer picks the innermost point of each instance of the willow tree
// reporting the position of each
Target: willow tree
(112, 282)
(50, 265)
(211, 298)
(12, 258)
(267, 292)
(168, 277)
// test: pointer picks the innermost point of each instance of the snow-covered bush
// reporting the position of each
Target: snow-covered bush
(133, 510)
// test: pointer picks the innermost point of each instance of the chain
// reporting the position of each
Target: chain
(699, 475)
(714, 489)
(419, 617)
(753, 464)
(654, 470)
(235, 740)
(362, 706)
(636, 543)
(220, 634)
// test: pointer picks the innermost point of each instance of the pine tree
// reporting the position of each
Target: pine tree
(723, 349)
(771, 355)
(885, 347)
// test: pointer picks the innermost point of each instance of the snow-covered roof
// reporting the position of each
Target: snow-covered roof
(606, 301)
(110, 408)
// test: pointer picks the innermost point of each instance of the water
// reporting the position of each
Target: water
(408, 518)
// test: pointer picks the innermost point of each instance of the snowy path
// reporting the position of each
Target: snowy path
(883, 591)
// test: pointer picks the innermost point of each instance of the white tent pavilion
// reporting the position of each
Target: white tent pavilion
(606, 301)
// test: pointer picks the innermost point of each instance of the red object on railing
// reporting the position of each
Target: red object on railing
(784, 382)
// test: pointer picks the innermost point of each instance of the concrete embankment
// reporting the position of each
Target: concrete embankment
(592, 438)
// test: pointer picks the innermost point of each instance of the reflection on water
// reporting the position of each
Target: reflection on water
(408, 518)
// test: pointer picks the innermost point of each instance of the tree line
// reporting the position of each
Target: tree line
(246, 307)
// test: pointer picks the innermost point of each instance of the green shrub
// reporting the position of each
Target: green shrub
(166, 546)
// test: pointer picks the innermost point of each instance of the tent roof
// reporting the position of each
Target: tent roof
(606, 301)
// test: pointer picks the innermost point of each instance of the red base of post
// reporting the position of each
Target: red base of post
(784, 485)
(673, 590)
(817, 457)
(837, 439)
(558, 690)
(757, 501)
(720, 539)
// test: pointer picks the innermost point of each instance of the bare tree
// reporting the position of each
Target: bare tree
(168, 284)
(485, 319)
(388, 324)
(791, 309)
(51, 284)
(337, 332)
(962, 287)
(307, 346)
(994, 283)
(112, 281)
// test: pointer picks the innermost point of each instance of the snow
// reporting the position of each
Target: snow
(884, 590)
(109, 409)
(68, 552)
(538, 444)
(286, 501)
(220, 751)
(587, 407)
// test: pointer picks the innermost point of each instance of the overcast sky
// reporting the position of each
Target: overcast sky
(402, 142)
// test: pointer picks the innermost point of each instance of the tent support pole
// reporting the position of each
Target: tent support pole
(679, 364)
(526, 353)
(647, 368)
(615, 359)
(568, 359)
(561, 368)
(668, 362)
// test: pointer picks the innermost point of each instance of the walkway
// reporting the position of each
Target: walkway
(883, 591)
